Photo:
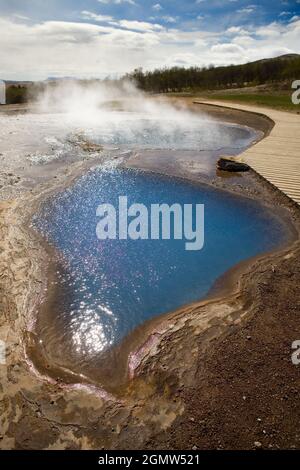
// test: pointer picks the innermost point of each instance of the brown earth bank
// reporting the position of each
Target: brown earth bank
(246, 390)
(219, 375)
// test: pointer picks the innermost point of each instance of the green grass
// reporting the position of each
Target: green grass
(16, 95)
(275, 101)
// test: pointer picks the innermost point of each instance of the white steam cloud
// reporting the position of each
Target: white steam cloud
(118, 114)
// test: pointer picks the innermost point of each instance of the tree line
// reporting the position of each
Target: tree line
(180, 79)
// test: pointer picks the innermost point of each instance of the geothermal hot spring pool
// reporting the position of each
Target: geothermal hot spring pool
(104, 290)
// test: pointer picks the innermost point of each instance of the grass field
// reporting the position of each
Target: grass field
(275, 101)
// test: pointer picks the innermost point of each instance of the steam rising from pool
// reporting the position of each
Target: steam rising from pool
(119, 115)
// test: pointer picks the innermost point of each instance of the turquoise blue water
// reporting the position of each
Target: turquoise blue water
(108, 288)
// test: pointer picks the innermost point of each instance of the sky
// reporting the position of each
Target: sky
(100, 38)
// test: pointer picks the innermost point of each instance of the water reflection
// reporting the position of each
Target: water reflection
(104, 289)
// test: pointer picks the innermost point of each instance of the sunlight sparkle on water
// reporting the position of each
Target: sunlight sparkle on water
(108, 288)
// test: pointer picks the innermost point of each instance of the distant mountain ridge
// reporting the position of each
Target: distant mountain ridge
(280, 57)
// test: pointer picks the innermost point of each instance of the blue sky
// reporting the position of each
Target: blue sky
(216, 13)
(95, 38)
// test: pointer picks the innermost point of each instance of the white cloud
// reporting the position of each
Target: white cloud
(157, 7)
(228, 48)
(169, 19)
(165, 18)
(244, 40)
(20, 17)
(247, 10)
(270, 31)
(137, 25)
(60, 48)
(88, 15)
(236, 30)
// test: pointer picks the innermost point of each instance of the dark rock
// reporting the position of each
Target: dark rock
(225, 164)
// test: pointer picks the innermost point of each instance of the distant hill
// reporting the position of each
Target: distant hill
(279, 58)
(61, 79)
(179, 79)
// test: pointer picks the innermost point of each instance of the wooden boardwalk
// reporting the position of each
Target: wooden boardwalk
(277, 157)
